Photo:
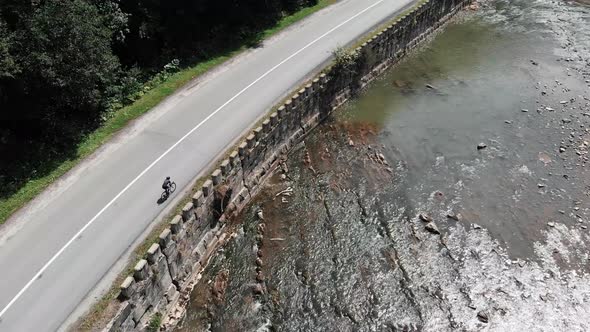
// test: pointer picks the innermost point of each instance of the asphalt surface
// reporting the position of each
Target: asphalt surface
(54, 252)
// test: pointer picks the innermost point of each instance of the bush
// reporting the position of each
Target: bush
(344, 61)
(155, 322)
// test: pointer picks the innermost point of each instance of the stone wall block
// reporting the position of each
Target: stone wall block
(127, 287)
(140, 271)
(198, 252)
(207, 188)
(199, 212)
(216, 177)
(275, 136)
(162, 274)
(234, 158)
(225, 167)
(187, 215)
(282, 110)
(198, 198)
(171, 252)
(128, 325)
(308, 100)
(295, 116)
(165, 238)
(312, 99)
(242, 149)
(258, 134)
(153, 253)
(284, 124)
(380, 41)
(274, 118)
(266, 127)
(302, 94)
(250, 141)
(316, 84)
(309, 90)
(295, 100)
(119, 323)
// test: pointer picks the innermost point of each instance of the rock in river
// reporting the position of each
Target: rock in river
(257, 289)
(431, 227)
(425, 217)
(454, 216)
(482, 316)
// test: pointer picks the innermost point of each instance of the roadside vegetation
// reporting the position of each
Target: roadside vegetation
(155, 322)
(73, 73)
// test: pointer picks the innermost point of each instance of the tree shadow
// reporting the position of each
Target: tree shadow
(33, 158)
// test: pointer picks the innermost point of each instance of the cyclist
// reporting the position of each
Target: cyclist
(166, 185)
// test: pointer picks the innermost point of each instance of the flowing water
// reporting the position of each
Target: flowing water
(453, 194)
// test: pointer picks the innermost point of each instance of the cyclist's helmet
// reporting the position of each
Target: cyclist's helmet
(167, 178)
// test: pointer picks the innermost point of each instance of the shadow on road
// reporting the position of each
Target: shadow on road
(162, 199)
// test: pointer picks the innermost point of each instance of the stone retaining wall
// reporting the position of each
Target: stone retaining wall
(163, 277)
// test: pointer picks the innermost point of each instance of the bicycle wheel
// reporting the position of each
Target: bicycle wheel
(172, 187)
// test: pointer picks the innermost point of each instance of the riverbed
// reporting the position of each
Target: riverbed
(453, 194)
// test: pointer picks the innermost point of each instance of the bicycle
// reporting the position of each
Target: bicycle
(168, 191)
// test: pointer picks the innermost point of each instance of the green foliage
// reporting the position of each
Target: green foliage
(344, 61)
(155, 322)
(8, 66)
(57, 68)
(65, 52)
(131, 87)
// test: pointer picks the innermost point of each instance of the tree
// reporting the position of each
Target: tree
(8, 65)
(56, 62)
(63, 51)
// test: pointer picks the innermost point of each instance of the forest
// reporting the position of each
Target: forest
(67, 65)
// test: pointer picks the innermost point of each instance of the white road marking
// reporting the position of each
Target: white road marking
(42, 270)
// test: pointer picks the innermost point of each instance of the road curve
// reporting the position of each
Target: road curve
(55, 251)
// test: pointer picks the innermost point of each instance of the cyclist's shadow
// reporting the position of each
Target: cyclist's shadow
(162, 198)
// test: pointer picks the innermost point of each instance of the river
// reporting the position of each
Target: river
(453, 194)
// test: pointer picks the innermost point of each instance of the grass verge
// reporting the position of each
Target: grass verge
(122, 117)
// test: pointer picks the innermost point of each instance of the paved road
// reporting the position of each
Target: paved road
(48, 266)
